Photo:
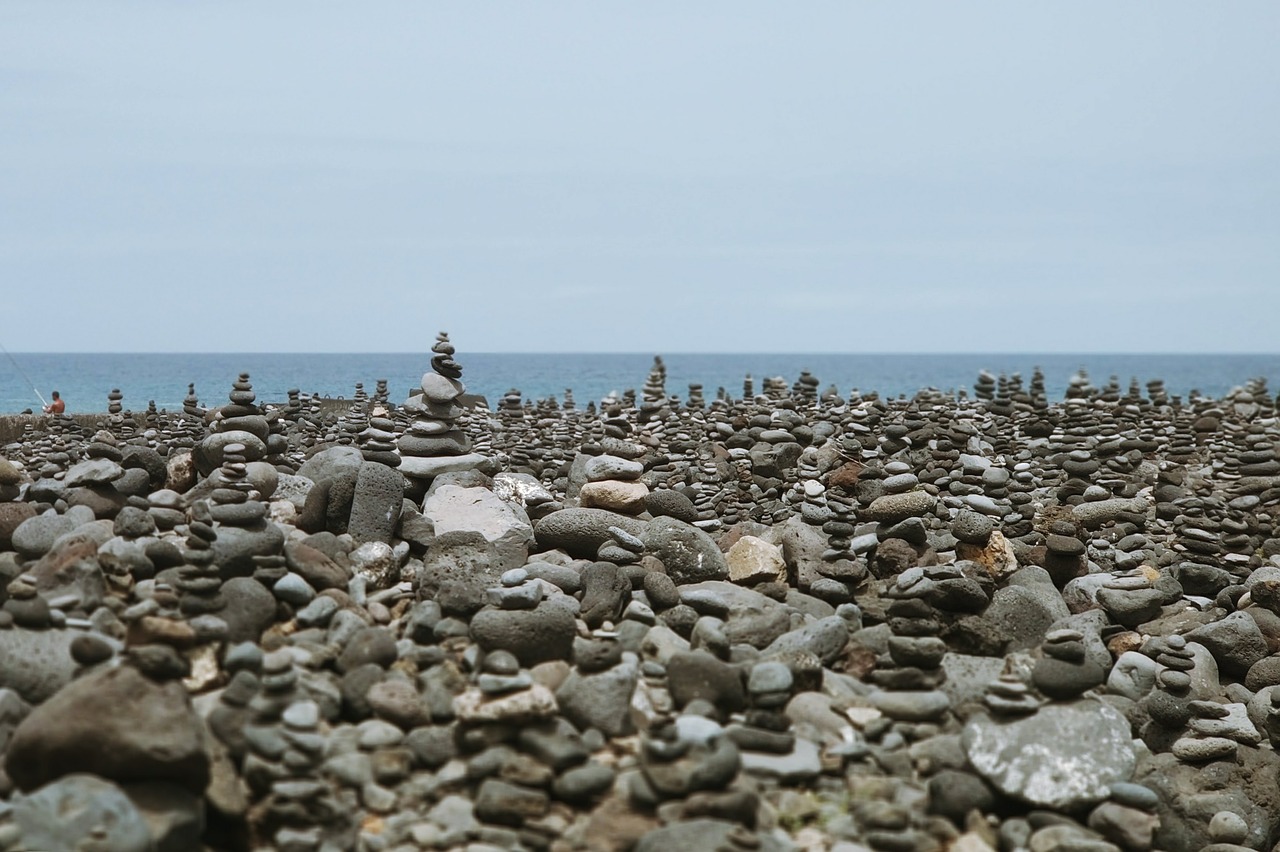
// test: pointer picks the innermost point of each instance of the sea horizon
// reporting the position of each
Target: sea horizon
(85, 378)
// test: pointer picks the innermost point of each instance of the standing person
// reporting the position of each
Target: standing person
(57, 406)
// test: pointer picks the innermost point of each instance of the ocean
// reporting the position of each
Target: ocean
(84, 380)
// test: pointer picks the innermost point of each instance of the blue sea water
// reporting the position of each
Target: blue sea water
(85, 379)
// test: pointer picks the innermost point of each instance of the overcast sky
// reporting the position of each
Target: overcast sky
(662, 177)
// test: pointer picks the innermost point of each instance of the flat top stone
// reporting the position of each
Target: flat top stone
(1061, 757)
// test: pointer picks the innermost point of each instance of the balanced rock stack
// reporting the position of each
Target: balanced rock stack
(433, 444)
(613, 483)
(655, 391)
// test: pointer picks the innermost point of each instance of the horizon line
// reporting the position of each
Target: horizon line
(647, 352)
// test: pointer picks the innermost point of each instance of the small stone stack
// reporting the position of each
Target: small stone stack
(191, 404)
(1078, 386)
(381, 396)
(199, 582)
(1156, 393)
(244, 533)
(696, 400)
(914, 673)
(378, 442)
(433, 444)
(355, 420)
(985, 387)
(1066, 672)
(293, 407)
(613, 483)
(1168, 707)
(1065, 556)
(654, 392)
(805, 389)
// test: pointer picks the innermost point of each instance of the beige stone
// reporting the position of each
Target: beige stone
(614, 495)
(754, 560)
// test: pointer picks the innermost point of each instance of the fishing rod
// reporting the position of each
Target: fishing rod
(18, 367)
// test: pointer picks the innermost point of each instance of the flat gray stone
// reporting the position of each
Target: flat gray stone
(1062, 757)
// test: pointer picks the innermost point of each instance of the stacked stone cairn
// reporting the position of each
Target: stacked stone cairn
(433, 444)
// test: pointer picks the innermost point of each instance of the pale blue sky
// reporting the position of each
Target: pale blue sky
(664, 177)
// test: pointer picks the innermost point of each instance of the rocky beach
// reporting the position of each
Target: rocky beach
(785, 617)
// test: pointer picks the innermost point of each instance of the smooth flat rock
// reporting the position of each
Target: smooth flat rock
(1062, 757)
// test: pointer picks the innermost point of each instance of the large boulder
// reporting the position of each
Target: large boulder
(504, 526)
(151, 733)
(580, 532)
(1063, 757)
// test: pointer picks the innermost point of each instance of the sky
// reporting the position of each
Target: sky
(659, 176)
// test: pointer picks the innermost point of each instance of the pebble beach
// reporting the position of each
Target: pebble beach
(776, 617)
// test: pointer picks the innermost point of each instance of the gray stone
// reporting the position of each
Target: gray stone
(250, 609)
(824, 638)
(688, 553)
(151, 733)
(293, 590)
(34, 537)
(1023, 614)
(1064, 756)
(580, 532)
(581, 784)
(98, 471)
(1236, 642)
(534, 635)
(61, 814)
(802, 764)
(36, 663)
(600, 700)
(376, 503)
(504, 526)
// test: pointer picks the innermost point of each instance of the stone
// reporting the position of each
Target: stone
(509, 804)
(606, 591)
(824, 638)
(753, 560)
(581, 784)
(600, 700)
(250, 609)
(615, 496)
(667, 502)
(1062, 757)
(36, 663)
(63, 813)
(376, 503)
(374, 645)
(580, 532)
(504, 526)
(892, 508)
(688, 554)
(152, 733)
(35, 536)
(1236, 642)
(535, 635)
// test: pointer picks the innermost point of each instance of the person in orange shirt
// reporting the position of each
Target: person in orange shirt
(57, 406)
